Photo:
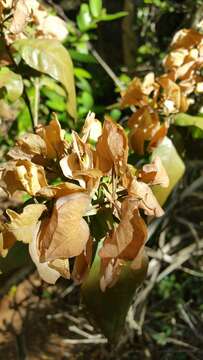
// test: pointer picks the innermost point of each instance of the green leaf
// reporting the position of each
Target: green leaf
(109, 309)
(189, 120)
(24, 121)
(110, 17)
(56, 105)
(174, 166)
(95, 7)
(86, 58)
(82, 73)
(12, 82)
(84, 18)
(86, 100)
(52, 85)
(196, 132)
(50, 57)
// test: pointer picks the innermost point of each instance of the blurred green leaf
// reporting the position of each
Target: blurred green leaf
(52, 85)
(84, 18)
(86, 100)
(115, 114)
(95, 7)
(174, 166)
(82, 73)
(50, 57)
(12, 82)
(189, 120)
(196, 132)
(24, 121)
(109, 17)
(86, 58)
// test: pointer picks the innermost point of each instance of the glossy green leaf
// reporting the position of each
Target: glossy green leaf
(84, 18)
(174, 166)
(108, 309)
(12, 82)
(50, 57)
(189, 120)
(95, 7)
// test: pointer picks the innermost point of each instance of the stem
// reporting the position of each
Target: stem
(107, 68)
(36, 103)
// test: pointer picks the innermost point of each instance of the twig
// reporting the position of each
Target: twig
(107, 68)
(181, 257)
(85, 341)
(188, 321)
(87, 335)
(190, 226)
(190, 189)
(155, 268)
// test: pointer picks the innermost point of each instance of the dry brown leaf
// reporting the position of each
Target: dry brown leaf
(80, 165)
(110, 272)
(134, 94)
(47, 273)
(22, 226)
(62, 266)
(158, 137)
(186, 38)
(60, 190)
(82, 263)
(92, 128)
(22, 175)
(53, 137)
(154, 173)
(112, 148)
(125, 243)
(143, 124)
(65, 233)
(145, 197)
(20, 17)
(51, 26)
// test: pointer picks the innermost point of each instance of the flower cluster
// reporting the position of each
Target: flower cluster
(156, 99)
(69, 185)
